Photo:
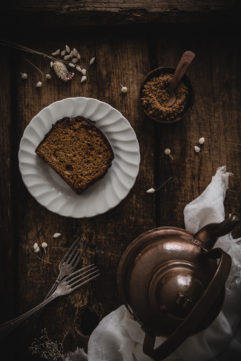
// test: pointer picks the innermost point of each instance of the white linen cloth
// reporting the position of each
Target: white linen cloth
(120, 338)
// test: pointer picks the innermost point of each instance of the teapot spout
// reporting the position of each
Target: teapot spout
(208, 234)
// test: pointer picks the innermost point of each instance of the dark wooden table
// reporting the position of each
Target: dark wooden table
(146, 36)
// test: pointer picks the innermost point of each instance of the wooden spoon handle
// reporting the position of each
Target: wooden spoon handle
(186, 59)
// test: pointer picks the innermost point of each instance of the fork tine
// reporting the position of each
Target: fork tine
(81, 277)
(72, 254)
(75, 262)
(72, 247)
(86, 281)
(79, 271)
(75, 257)
(75, 251)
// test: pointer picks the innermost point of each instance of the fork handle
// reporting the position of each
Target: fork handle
(7, 327)
(53, 288)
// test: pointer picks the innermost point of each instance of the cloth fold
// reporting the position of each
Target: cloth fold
(120, 338)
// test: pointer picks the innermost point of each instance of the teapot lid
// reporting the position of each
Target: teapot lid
(161, 276)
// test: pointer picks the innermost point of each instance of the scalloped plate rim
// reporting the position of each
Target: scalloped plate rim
(51, 122)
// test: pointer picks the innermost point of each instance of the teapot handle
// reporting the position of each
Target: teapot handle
(197, 313)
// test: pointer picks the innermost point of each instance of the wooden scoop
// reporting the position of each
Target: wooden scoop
(186, 59)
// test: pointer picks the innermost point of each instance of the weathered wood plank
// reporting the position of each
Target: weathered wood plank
(7, 249)
(121, 58)
(88, 12)
(7, 213)
(118, 60)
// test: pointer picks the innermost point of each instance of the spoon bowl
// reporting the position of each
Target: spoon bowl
(190, 96)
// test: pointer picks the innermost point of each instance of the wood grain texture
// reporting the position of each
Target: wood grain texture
(215, 116)
(123, 56)
(7, 214)
(119, 60)
(7, 138)
(89, 12)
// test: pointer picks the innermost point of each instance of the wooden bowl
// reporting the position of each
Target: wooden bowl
(190, 96)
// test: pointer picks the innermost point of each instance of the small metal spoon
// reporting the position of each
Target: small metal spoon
(186, 59)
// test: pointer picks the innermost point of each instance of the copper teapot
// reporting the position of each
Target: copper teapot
(173, 282)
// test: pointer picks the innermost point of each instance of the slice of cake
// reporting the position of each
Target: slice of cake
(78, 151)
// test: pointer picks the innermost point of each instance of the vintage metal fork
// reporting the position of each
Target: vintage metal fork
(68, 284)
(67, 264)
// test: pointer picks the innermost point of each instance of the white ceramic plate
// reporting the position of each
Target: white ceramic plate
(50, 190)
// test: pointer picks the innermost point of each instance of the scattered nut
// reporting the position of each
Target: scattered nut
(83, 71)
(167, 151)
(67, 57)
(197, 149)
(151, 190)
(83, 79)
(56, 235)
(67, 48)
(201, 140)
(71, 65)
(124, 89)
(44, 245)
(51, 64)
(24, 76)
(56, 52)
(48, 76)
(39, 84)
(63, 52)
(35, 245)
(75, 60)
(74, 52)
(92, 60)
(78, 68)
(36, 249)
